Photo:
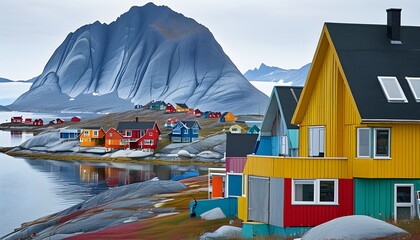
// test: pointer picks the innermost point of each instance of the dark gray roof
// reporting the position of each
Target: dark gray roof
(158, 103)
(182, 105)
(190, 124)
(365, 53)
(134, 125)
(289, 98)
(240, 145)
(94, 128)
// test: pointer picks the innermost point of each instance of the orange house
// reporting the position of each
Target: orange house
(92, 137)
(114, 140)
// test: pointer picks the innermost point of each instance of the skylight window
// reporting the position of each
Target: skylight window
(392, 89)
(414, 83)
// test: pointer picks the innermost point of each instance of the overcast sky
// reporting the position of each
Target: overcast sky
(281, 33)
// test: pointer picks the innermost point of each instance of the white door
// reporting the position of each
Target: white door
(403, 201)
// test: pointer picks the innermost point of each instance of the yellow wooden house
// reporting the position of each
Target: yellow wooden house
(359, 135)
(92, 137)
(182, 107)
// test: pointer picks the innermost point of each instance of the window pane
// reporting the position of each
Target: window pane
(304, 192)
(363, 142)
(382, 140)
(404, 194)
(392, 89)
(326, 191)
(414, 84)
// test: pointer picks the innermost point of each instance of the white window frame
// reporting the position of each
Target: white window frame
(389, 143)
(317, 188)
(415, 94)
(372, 143)
(186, 131)
(411, 204)
(86, 133)
(402, 99)
(95, 133)
(358, 143)
(321, 144)
(128, 133)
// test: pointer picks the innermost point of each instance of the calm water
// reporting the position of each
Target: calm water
(30, 189)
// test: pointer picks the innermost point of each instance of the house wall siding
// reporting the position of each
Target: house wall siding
(286, 167)
(403, 163)
(375, 197)
(312, 215)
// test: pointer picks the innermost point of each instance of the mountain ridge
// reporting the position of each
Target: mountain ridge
(148, 53)
(265, 73)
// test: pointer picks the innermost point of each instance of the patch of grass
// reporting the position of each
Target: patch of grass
(412, 226)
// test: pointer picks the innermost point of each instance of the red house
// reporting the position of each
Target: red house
(59, 121)
(170, 122)
(16, 119)
(191, 111)
(75, 119)
(114, 140)
(28, 120)
(38, 122)
(140, 135)
(170, 108)
(198, 113)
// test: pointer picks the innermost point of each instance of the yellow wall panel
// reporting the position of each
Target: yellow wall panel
(405, 154)
(302, 167)
(242, 208)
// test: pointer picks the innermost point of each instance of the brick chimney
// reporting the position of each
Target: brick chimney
(394, 25)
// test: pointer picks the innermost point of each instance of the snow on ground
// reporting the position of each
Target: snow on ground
(224, 232)
(215, 213)
(353, 227)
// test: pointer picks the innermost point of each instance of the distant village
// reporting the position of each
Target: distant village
(139, 135)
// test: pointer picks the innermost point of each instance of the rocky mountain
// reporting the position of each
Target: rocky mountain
(4, 80)
(148, 53)
(264, 73)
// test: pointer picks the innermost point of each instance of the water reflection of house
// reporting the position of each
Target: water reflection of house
(92, 174)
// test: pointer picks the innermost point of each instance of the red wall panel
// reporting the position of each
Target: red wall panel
(312, 215)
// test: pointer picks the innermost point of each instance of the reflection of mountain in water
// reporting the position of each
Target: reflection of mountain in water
(87, 179)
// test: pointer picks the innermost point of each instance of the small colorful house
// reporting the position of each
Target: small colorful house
(253, 130)
(38, 122)
(70, 133)
(115, 140)
(182, 107)
(16, 119)
(92, 137)
(59, 121)
(158, 105)
(170, 122)
(226, 186)
(28, 120)
(358, 124)
(170, 108)
(198, 113)
(235, 129)
(185, 131)
(140, 134)
(227, 117)
(278, 136)
(76, 119)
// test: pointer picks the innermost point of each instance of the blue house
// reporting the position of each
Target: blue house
(185, 131)
(70, 133)
(277, 135)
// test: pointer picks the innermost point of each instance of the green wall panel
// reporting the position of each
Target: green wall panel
(375, 197)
